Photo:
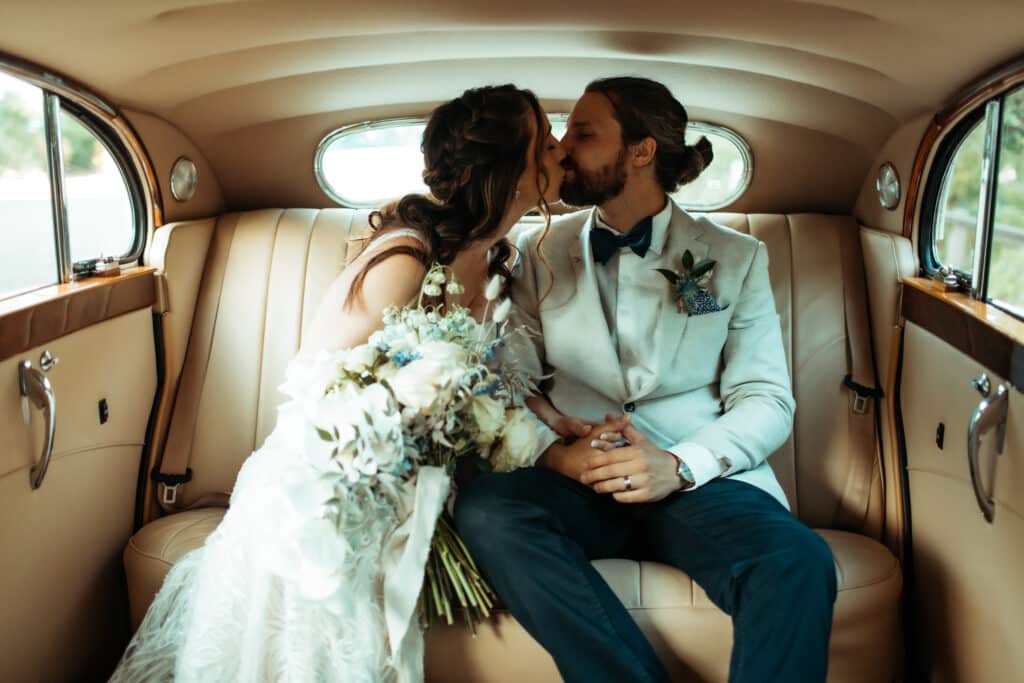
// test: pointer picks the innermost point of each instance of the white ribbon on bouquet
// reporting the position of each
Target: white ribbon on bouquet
(404, 560)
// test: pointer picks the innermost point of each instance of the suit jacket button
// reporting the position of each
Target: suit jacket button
(629, 407)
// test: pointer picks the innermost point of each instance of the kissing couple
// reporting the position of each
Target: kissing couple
(664, 389)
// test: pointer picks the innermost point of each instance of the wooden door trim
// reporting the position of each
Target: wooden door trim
(45, 314)
(982, 331)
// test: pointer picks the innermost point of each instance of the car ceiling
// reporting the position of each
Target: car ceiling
(851, 71)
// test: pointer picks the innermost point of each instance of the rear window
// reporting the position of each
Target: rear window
(367, 164)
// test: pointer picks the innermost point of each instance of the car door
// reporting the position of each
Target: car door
(961, 401)
(78, 375)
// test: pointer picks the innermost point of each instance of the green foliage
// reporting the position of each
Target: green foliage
(80, 147)
(22, 140)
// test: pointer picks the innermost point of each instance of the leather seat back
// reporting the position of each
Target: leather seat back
(266, 271)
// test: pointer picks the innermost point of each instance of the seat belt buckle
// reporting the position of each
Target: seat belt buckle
(861, 394)
(170, 483)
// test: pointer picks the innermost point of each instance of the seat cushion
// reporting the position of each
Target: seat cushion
(692, 636)
(151, 552)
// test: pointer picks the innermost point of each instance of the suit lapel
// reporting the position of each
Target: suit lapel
(683, 234)
(577, 332)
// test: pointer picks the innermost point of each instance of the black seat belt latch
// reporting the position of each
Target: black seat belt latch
(861, 394)
(170, 483)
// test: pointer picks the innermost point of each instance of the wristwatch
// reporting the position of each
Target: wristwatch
(686, 475)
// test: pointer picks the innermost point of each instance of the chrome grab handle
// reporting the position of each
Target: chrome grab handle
(37, 389)
(991, 412)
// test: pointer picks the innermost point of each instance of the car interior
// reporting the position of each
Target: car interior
(180, 182)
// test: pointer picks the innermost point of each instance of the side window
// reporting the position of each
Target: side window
(973, 220)
(1006, 264)
(100, 217)
(27, 248)
(101, 213)
(956, 221)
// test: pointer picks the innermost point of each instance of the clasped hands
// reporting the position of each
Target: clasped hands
(604, 456)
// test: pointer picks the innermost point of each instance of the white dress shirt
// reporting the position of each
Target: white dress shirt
(632, 342)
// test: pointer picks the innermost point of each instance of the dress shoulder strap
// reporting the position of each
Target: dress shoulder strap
(357, 245)
(401, 232)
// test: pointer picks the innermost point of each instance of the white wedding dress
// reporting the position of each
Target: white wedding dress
(278, 594)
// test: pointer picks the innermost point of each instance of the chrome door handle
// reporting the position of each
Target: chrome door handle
(37, 389)
(991, 412)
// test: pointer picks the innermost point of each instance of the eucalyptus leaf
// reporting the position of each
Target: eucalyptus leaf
(324, 434)
(671, 276)
(703, 267)
(687, 260)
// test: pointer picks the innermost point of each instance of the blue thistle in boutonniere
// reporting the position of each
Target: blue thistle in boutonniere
(689, 285)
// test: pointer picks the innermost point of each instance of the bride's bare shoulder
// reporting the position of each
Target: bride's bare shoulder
(399, 274)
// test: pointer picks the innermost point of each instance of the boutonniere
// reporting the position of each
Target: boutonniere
(689, 285)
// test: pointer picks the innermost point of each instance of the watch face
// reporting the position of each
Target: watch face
(183, 179)
(888, 186)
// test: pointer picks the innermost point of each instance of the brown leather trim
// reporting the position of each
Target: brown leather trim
(979, 330)
(997, 81)
(43, 315)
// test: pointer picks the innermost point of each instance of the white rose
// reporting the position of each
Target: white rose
(429, 378)
(489, 416)
(416, 384)
(518, 442)
(444, 353)
(360, 359)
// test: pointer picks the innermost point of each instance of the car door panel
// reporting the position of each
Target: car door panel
(64, 613)
(967, 570)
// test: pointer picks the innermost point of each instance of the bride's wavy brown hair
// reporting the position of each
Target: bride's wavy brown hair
(474, 151)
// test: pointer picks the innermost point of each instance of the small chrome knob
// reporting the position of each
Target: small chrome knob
(47, 361)
(983, 385)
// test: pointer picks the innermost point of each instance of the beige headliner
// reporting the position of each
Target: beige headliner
(829, 80)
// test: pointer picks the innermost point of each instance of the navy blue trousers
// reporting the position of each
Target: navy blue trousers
(533, 532)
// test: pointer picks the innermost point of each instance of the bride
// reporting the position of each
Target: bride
(232, 610)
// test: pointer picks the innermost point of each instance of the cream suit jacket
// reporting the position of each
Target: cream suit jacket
(719, 380)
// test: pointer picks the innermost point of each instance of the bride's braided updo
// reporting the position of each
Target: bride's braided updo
(475, 149)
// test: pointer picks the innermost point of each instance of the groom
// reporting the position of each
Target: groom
(693, 360)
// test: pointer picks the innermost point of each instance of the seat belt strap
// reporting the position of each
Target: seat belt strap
(860, 381)
(174, 471)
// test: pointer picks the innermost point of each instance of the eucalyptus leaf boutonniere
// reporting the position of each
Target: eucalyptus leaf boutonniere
(689, 285)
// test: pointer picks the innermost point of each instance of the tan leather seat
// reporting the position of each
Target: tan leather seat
(278, 263)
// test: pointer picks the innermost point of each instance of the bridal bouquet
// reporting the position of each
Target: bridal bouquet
(385, 424)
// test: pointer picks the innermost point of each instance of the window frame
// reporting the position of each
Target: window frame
(698, 127)
(344, 131)
(989, 113)
(122, 157)
(114, 134)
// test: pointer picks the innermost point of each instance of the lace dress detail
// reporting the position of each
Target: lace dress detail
(240, 607)
(244, 608)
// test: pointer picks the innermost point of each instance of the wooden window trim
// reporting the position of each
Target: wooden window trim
(42, 315)
(982, 331)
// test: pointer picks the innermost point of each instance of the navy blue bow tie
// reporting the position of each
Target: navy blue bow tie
(606, 243)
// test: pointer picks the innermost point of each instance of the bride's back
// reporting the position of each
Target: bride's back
(340, 322)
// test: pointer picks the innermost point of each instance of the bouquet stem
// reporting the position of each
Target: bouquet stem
(451, 573)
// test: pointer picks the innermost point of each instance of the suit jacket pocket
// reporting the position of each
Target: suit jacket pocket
(700, 349)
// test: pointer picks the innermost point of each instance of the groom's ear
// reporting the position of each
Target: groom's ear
(642, 153)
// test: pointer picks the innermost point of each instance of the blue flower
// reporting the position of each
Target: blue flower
(403, 358)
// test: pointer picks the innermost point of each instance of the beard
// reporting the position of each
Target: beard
(593, 187)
